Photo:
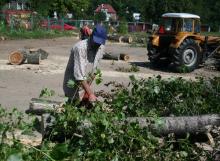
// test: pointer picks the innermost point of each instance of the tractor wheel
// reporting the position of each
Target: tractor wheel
(187, 57)
(156, 60)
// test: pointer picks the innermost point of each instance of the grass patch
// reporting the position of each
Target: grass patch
(36, 34)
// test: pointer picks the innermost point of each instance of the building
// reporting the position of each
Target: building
(17, 13)
(108, 10)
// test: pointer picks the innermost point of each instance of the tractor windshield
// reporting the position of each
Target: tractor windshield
(174, 25)
(171, 25)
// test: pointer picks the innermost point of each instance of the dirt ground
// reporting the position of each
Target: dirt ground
(20, 83)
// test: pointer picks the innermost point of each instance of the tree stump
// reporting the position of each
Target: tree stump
(17, 57)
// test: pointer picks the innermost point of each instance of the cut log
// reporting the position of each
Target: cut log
(127, 39)
(17, 57)
(34, 139)
(33, 58)
(124, 57)
(140, 40)
(110, 56)
(178, 125)
(160, 126)
(43, 53)
(115, 38)
(41, 106)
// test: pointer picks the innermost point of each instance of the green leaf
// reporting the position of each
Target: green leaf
(102, 136)
(15, 157)
(156, 89)
(60, 151)
(71, 83)
(98, 81)
(110, 140)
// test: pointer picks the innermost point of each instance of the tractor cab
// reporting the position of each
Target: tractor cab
(173, 23)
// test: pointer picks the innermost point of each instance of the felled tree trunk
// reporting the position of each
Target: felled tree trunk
(140, 40)
(33, 56)
(178, 125)
(110, 56)
(161, 126)
(124, 57)
(127, 39)
(115, 38)
(17, 57)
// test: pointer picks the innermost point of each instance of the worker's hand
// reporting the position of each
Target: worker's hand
(92, 98)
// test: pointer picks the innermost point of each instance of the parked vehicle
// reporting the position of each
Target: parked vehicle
(57, 25)
(179, 41)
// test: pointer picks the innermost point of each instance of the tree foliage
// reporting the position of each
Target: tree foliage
(150, 10)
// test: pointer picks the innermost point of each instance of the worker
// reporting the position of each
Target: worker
(82, 63)
(85, 32)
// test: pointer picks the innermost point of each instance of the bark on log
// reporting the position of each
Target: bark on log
(124, 57)
(127, 39)
(41, 106)
(178, 125)
(43, 53)
(140, 40)
(34, 58)
(17, 57)
(115, 38)
(161, 126)
(110, 56)
(32, 55)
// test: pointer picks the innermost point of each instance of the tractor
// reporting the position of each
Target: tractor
(178, 41)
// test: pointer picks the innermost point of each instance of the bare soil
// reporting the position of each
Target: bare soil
(20, 83)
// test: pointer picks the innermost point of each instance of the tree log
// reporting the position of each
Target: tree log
(41, 106)
(110, 56)
(115, 38)
(17, 57)
(34, 58)
(127, 39)
(43, 53)
(178, 125)
(124, 57)
(161, 126)
(140, 40)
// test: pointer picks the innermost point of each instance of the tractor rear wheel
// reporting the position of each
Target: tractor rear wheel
(155, 58)
(186, 56)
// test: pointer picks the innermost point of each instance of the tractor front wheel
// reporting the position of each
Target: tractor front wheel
(186, 56)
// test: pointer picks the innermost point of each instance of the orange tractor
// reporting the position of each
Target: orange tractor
(178, 41)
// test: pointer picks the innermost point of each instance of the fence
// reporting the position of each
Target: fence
(15, 22)
(30, 22)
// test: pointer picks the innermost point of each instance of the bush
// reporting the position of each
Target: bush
(123, 28)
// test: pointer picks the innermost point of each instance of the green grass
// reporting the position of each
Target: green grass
(33, 34)
(36, 34)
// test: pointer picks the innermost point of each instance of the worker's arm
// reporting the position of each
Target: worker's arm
(88, 90)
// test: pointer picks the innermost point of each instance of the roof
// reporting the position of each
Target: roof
(108, 7)
(180, 15)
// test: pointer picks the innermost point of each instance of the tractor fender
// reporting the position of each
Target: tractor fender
(180, 38)
(155, 40)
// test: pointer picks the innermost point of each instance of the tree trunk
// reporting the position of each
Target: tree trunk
(124, 57)
(33, 58)
(43, 53)
(127, 39)
(115, 38)
(161, 126)
(17, 57)
(109, 56)
(178, 125)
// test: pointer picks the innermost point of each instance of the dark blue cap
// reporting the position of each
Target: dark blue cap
(99, 34)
